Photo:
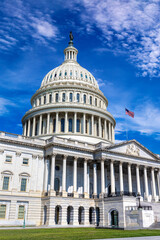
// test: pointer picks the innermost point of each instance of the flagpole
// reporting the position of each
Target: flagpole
(126, 128)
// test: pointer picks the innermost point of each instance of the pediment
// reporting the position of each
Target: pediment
(133, 148)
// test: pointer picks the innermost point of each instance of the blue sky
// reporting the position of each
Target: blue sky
(118, 42)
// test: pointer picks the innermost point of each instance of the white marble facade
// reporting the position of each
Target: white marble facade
(66, 168)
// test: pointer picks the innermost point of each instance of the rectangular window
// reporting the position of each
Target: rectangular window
(21, 212)
(96, 102)
(77, 97)
(5, 183)
(8, 159)
(2, 211)
(23, 184)
(70, 97)
(25, 161)
(84, 98)
(39, 101)
(54, 125)
(57, 97)
(63, 97)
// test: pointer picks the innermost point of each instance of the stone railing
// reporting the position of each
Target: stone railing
(132, 208)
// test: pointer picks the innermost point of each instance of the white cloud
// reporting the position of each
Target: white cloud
(129, 25)
(4, 104)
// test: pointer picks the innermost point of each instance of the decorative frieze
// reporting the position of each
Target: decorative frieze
(132, 150)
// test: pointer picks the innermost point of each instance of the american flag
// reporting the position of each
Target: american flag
(131, 114)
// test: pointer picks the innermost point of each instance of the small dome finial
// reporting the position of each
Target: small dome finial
(71, 39)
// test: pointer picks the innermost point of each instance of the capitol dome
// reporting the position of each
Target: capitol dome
(69, 104)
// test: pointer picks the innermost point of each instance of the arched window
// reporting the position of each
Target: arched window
(91, 100)
(57, 184)
(65, 73)
(58, 214)
(70, 215)
(62, 124)
(91, 215)
(70, 127)
(77, 97)
(45, 99)
(71, 97)
(84, 98)
(78, 125)
(70, 73)
(60, 74)
(81, 215)
(50, 98)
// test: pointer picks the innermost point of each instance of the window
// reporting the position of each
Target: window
(5, 183)
(70, 73)
(39, 101)
(86, 76)
(25, 161)
(50, 98)
(62, 124)
(57, 168)
(65, 73)
(63, 97)
(55, 75)
(77, 97)
(57, 184)
(71, 97)
(44, 99)
(99, 103)
(78, 125)
(54, 125)
(86, 126)
(91, 100)
(23, 184)
(60, 74)
(70, 125)
(8, 159)
(96, 102)
(81, 75)
(84, 98)
(57, 97)
(21, 212)
(2, 211)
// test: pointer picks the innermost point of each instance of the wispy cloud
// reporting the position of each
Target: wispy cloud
(131, 26)
(21, 23)
(4, 106)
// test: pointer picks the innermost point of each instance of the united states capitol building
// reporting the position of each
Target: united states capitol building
(66, 169)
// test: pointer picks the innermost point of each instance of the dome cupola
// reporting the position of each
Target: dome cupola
(69, 104)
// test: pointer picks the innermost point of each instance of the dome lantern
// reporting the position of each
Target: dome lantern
(70, 52)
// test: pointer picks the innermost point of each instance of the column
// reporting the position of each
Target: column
(64, 193)
(109, 131)
(121, 178)
(29, 127)
(138, 181)
(53, 158)
(75, 178)
(85, 179)
(158, 179)
(129, 179)
(102, 178)
(75, 122)
(34, 126)
(48, 123)
(113, 136)
(45, 185)
(57, 122)
(105, 129)
(95, 180)
(84, 123)
(66, 122)
(146, 182)
(40, 124)
(112, 176)
(153, 185)
(88, 180)
(25, 129)
(100, 127)
(92, 119)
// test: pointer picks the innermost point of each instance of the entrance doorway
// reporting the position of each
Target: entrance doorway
(114, 218)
